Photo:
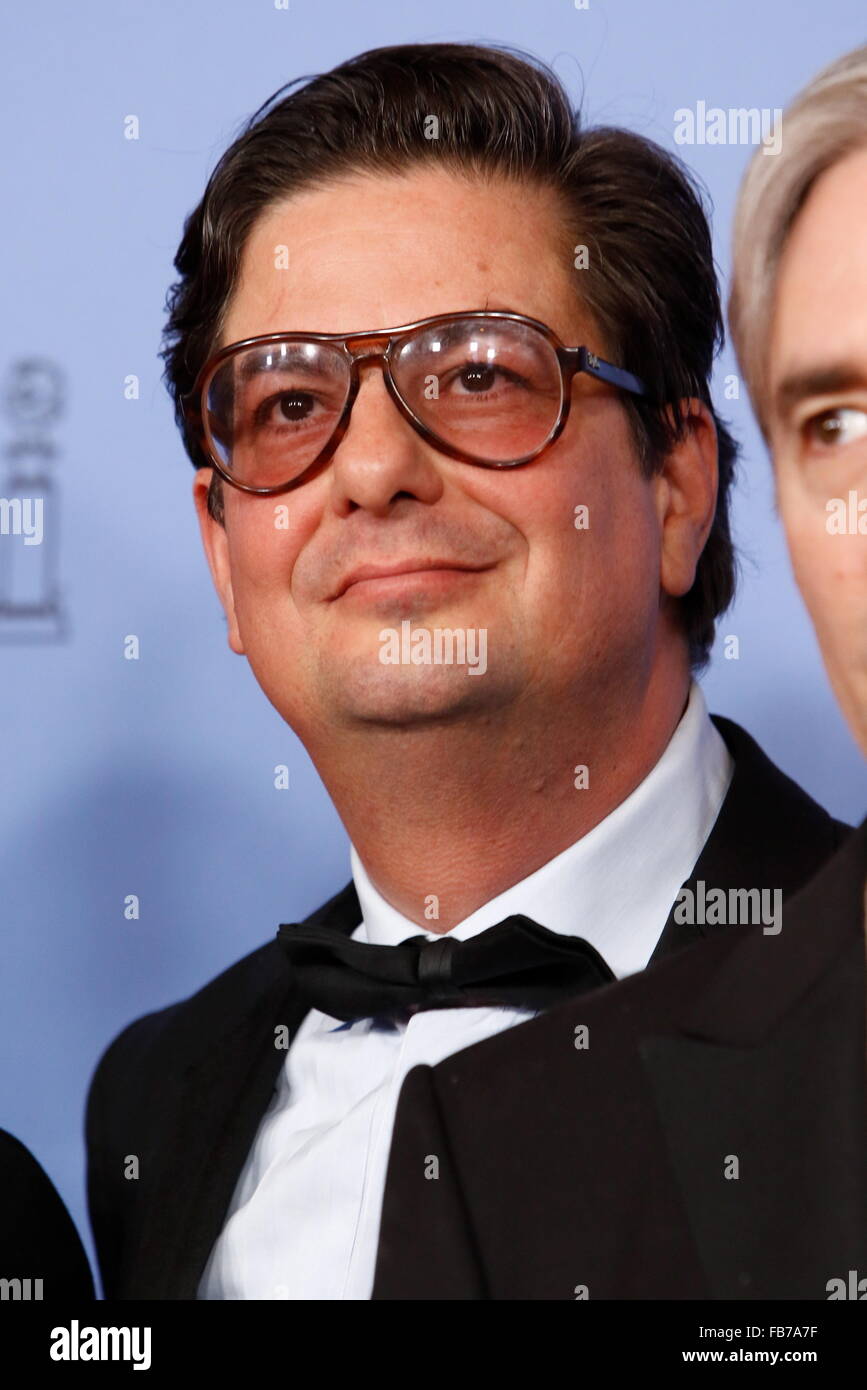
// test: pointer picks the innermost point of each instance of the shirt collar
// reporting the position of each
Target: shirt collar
(615, 885)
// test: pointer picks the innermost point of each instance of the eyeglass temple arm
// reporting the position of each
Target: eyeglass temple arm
(606, 371)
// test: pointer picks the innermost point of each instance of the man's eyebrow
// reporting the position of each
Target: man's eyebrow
(291, 355)
(817, 381)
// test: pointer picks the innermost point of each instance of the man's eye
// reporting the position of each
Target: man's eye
(839, 426)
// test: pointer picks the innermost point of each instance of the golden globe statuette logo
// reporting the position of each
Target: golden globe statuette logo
(31, 402)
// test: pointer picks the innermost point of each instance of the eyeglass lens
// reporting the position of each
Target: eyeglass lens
(491, 389)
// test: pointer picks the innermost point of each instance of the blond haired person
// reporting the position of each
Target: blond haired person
(798, 315)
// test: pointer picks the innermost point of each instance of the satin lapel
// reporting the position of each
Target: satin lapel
(213, 1114)
(762, 1094)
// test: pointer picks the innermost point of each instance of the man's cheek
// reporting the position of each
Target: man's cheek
(261, 568)
(804, 524)
(260, 616)
(846, 584)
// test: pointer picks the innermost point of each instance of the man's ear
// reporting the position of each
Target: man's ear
(216, 544)
(686, 491)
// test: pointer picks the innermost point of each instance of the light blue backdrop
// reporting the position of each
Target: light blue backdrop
(155, 777)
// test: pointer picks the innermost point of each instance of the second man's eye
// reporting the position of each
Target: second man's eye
(842, 425)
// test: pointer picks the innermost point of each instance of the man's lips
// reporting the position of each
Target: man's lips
(400, 568)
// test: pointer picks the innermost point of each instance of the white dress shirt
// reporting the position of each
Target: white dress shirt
(304, 1219)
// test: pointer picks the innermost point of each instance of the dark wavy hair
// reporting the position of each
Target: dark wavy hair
(650, 284)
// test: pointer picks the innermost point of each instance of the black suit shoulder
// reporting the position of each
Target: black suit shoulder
(183, 1030)
(127, 1093)
(145, 1043)
(151, 1069)
(764, 800)
(38, 1238)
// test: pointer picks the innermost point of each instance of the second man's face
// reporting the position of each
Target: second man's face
(569, 612)
(818, 420)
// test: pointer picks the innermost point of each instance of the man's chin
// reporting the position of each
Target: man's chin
(408, 698)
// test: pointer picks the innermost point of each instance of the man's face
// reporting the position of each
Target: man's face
(568, 613)
(818, 420)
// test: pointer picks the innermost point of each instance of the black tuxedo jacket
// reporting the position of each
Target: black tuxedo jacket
(711, 1142)
(38, 1239)
(185, 1088)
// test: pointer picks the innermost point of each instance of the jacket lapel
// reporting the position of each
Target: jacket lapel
(752, 845)
(742, 1070)
(761, 1089)
(214, 1108)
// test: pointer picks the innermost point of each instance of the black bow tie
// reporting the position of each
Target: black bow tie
(516, 963)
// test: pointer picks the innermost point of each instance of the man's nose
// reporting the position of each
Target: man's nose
(381, 456)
